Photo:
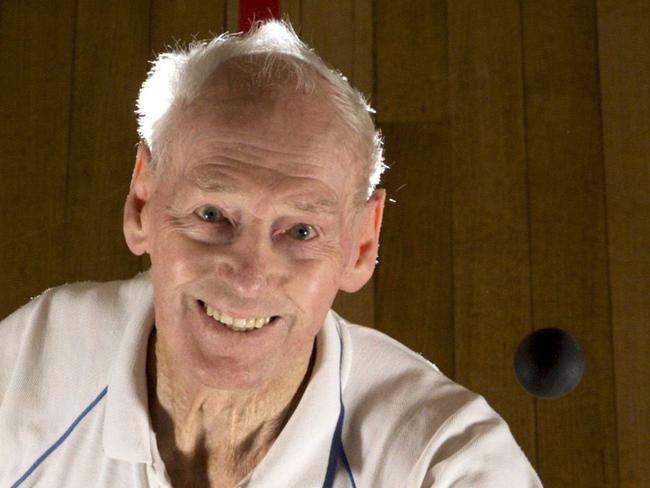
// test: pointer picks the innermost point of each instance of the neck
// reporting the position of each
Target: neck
(197, 426)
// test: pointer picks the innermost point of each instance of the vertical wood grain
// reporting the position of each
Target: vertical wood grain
(329, 28)
(185, 21)
(111, 53)
(414, 288)
(232, 15)
(342, 39)
(36, 46)
(490, 227)
(292, 10)
(363, 69)
(568, 235)
(520, 130)
(624, 38)
(411, 58)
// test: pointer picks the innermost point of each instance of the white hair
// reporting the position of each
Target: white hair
(177, 77)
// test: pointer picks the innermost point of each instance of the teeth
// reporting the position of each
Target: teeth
(238, 324)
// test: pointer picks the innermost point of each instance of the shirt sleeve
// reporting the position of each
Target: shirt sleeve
(474, 448)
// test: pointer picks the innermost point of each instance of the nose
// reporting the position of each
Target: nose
(248, 265)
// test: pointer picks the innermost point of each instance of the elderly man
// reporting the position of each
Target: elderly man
(254, 193)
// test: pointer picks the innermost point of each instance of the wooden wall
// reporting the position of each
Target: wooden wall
(518, 138)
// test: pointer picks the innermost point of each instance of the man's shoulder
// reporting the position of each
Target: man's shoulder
(398, 402)
(78, 297)
(371, 342)
(57, 354)
(79, 306)
(392, 376)
(73, 326)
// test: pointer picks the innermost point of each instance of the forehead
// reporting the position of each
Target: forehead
(261, 132)
(238, 98)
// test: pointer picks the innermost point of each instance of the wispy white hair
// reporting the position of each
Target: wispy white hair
(177, 77)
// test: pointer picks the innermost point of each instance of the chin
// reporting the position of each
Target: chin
(229, 376)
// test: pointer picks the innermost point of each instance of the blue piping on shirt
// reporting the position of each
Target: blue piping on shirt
(337, 451)
(60, 440)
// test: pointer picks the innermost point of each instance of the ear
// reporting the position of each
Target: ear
(142, 185)
(362, 263)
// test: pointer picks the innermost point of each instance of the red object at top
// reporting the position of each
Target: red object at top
(253, 10)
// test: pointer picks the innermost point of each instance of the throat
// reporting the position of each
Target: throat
(214, 437)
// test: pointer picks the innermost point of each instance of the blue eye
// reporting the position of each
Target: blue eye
(302, 232)
(210, 214)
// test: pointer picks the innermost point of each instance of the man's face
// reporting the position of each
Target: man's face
(253, 218)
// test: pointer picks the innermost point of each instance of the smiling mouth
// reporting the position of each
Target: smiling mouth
(237, 323)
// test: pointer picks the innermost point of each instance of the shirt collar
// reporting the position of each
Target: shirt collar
(127, 426)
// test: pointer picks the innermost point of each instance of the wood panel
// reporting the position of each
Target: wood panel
(522, 191)
(291, 10)
(111, 52)
(36, 45)
(362, 75)
(329, 28)
(232, 15)
(624, 37)
(341, 32)
(411, 61)
(414, 286)
(568, 235)
(490, 228)
(185, 20)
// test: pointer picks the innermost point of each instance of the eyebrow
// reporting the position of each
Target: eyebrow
(320, 206)
(211, 183)
(214, 184)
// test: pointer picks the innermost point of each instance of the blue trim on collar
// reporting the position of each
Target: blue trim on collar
(60, 440)
(336, 450)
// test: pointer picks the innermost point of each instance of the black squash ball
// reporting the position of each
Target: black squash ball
(549, 363)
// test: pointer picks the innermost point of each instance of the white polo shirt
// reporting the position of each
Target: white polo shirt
(73, 406)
